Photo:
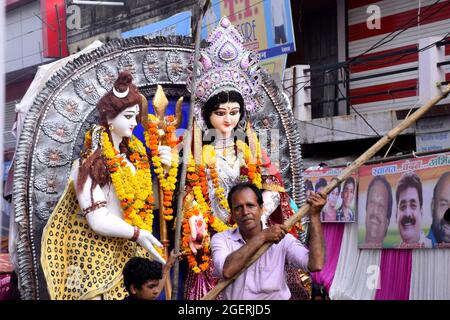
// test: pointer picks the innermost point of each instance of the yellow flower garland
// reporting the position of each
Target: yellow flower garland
(134, 190)
(254, 170)
(196, 177)
(254, 175)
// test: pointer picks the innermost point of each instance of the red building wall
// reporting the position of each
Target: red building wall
(54, 31)
(420, 19)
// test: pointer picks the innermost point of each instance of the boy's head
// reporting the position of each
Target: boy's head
(141, 277)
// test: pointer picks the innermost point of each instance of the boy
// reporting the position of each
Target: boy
(144, 279)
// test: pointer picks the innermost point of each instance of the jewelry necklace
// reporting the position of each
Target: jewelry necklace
(224, 147)
(224, 144)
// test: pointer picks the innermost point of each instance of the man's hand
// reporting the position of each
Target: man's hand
(274, 233)
(317, 200)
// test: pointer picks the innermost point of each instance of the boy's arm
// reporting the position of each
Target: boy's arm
(166, 270)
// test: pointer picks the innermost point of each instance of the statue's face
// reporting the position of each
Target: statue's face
(225, 118)
(124, 123)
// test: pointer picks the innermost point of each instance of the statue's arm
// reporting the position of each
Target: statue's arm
(271, 202)
(104, 223)
(98, 217)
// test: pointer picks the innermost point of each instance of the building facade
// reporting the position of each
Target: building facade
(369, 63)
(87, 23)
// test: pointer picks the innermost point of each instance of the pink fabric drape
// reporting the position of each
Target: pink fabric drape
(395, 274)
(332, 233)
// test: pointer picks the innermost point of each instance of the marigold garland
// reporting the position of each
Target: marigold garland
(197, 180)
(204, 257)
(134, 190)
(88, 140)
(209, 157)
(252, 170)
(87, 145)
(167, 184)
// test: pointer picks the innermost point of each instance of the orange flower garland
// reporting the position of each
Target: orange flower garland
(168, 184)
(209, 157)
(254, 174)
(197, 179)
(205, 251)
(254, 171)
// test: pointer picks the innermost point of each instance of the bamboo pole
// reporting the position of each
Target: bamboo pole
(160, 104)
(162, 222)
(211, 295)
(187, 140)
(164, 239)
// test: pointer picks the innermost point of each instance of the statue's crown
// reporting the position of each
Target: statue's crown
(226, 65)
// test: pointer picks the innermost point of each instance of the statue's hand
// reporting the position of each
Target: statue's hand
(192, 226)
(272, 200)
(165, 153)
(192, 246)
(264, 217)
(147, 241)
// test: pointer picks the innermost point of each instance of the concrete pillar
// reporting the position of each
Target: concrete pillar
(302, 95)
(429, 73)
(342, 52)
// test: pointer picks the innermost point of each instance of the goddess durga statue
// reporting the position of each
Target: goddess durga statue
(225, 152)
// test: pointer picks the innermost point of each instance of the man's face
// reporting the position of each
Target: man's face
(347, 194)
(409, 215)
(440, 203)
(246, 210)
(376, 213)
(148, 291)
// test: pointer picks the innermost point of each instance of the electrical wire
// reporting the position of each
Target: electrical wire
(380, 42)
(338, 130)
(404, 27)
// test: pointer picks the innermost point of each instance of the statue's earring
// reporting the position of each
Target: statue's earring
(242, 124)
(111, 127)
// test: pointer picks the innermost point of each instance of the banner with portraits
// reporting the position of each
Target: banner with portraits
(341, 201)
(405, 204)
